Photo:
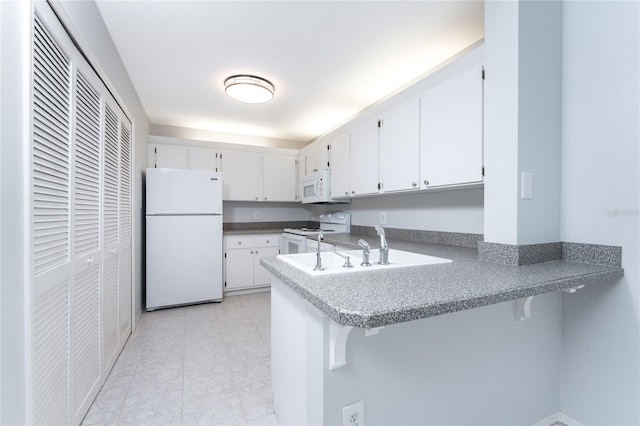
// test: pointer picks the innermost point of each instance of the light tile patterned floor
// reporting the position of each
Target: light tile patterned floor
(198, 365)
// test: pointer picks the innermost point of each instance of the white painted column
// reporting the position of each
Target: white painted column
(523, 55)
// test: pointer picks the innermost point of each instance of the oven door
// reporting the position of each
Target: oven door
(293, 244)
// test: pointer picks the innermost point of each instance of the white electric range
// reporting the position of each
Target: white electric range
(294, 240)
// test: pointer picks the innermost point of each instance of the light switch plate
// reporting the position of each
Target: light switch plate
(526, 191)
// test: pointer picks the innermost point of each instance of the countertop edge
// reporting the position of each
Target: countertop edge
(361, 320)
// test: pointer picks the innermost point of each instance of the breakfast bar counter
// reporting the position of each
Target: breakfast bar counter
(382, 297)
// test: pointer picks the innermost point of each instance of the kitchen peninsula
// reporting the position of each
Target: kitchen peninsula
(383, 337)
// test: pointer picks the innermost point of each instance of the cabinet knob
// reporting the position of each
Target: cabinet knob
(426, 182)
(239, 242)
(346, 192)
(267, 241)
(90, 260)
(256, 251)
(257, 198)
(414, 184)
(265, 198)
(353, 192)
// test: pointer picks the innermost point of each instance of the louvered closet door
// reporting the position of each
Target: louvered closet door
(86, 369)
(51, 208)
(124, 246)
(110, 213)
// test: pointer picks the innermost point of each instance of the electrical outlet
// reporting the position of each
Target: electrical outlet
(353, 415)
(383, 218)
(256, 215)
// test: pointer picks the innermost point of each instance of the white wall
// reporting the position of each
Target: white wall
(539, 91)
(458, 210)
(600, 202)
(85, 22)
(241, 211)
(474, 367)
(15, 21)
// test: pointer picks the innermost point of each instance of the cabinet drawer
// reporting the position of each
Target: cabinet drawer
(268, 240)
(239, 241)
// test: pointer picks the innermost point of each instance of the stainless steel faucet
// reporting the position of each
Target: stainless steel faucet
(319, 266)
(366, 249)
(384, 247)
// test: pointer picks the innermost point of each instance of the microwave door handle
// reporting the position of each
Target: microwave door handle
(316, 184)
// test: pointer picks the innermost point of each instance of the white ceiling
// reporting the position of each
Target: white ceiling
(327, 59)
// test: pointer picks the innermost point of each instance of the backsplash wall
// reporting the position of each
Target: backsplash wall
(459, 210)
(243, 211)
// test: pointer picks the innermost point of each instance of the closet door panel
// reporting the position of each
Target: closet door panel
(86, 367)
(50, 151)
(52, 86)
(124, 249)
(51, 351)
(110, 215)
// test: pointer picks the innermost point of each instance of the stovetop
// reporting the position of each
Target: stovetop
(339, 222)
(308, 231)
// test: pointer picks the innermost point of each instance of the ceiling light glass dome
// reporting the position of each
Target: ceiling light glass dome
(249, 89)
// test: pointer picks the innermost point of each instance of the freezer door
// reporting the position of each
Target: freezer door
(184, 260)
(172, 191)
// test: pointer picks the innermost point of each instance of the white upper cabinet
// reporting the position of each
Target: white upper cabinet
(241, 176)
(250, 176)
(451, 130)
(163, 156)
(400, 147)
(279, 178)
(168, 156)
(203, 159)
(341, 166)
(314, 159)
(365, 160)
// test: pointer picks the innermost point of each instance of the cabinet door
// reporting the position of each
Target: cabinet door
(365, 161)
(316, 159)
(341, 166)
(400, 147)
(279, 178)
(239, 268)
(169, 157)
(451, 130)
(203, 159)
(242, 175)
(261, 276)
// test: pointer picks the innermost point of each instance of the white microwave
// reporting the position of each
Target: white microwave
(316, 188)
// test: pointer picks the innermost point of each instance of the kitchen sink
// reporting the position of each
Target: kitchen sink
(333, 263)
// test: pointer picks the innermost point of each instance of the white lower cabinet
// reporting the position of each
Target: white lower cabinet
(242, 260)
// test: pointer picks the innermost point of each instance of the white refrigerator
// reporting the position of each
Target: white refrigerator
(184, 237)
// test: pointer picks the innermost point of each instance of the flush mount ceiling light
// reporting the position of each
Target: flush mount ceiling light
(249, 89)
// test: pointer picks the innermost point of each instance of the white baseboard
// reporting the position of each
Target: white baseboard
(558, 417)
(246, 290)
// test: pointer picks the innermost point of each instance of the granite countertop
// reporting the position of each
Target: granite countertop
(383, 297)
